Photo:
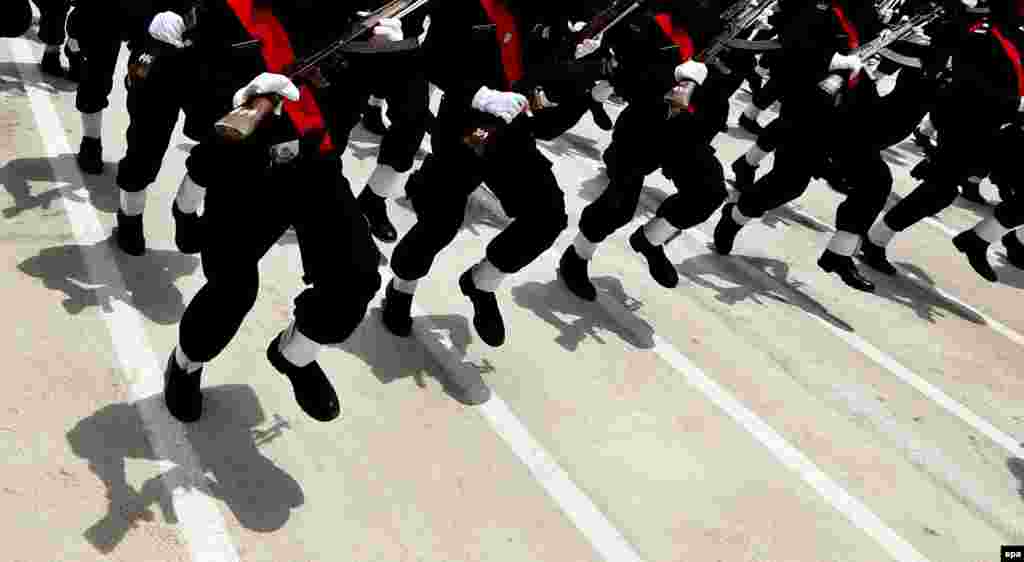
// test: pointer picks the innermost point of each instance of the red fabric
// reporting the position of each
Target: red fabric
(680, 38)
(852, 37)
(1014, 56)
(511, 50)
(277, 53)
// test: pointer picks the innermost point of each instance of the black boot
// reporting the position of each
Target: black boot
(182, 396)
(130, 237)
(874, 256)
(972, 192)
(601, 117)
(658, 265)
(373, 120)
(74, 72)
(922, 170)
(375, 209)
(51, 64)
(750, 125)
(486, 316)
(90, 156)
(845, 267)
(188, 235)
(726, 230)
(313, 390)
(573, 271)
(744, 172)
(1014, 250)
(397, 312)
(976, 249)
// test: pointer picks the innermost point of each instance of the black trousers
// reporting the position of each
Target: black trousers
(397, 77)
(644, 141)
(248, 207)
(100, 49)
(15, 18)
(769, 93)
(518, 174)
(900, 112)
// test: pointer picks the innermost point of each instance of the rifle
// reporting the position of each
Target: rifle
(241, 122)
(744, 13)
(834, 82)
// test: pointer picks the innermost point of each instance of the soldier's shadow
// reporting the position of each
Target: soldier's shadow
(926, 304)
(710, 270)
(226, 441)
(148, 281)
(552, 302)
(572, 144)
(12, 83)
(1007, 272)
(393, 358)
(102, 190)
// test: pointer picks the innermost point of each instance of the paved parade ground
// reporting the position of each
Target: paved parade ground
(761, 411)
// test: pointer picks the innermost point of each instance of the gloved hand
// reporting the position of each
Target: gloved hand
(692, 70)
(602, 91)
(389, 29)
(267, 83)
(169, 28)
(846, 62)
(506, 105)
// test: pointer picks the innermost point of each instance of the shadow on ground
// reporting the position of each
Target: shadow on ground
(15, 175)
(148, 280)
(12, 83)
(926, 303)
(227, 440)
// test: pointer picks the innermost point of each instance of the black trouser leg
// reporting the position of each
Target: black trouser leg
(153, 110)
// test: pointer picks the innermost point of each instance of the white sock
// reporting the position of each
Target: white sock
(403, 286)
(584, 248)
(186, 364)
(133, 204)
(658, 231)
(990, 230)
(486, 277)
(92, 125)
(52, 49)
(385, 181)
(755, 155)
(974, 179)
(880, 234)
(73, 45)
(739, 217)
(844, 243)
(752, 111)
(190, 195)
(296, 348)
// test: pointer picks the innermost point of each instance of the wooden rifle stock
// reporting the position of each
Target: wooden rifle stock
(242, 122)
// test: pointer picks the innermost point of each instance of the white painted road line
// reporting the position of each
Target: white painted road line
(603, 536)
(199, 517)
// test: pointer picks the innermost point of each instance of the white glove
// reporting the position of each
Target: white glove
(507, 105)
(588, 46)
(602, 91)
(1020, 106)
(389, 29)
(267, 83)
(846, 62)
(970, 3)
(692, 70)
(168, 27)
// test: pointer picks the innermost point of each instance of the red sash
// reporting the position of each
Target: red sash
(680, 38)
(1014, 55)
(277, 53)
(852, 38)
(509, 39)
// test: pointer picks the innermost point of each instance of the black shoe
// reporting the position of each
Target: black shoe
(486, 316)
(313, 390)
(726, 231)
(845, 267)
(188, 234)
(972, 192)
(375, 209)
(90, 156)
(573, 271)
(744, 172)
(976, 250)
(1014, 250)
(373, 120)
(74, 72)
(925, 142)
(130, 237)
(874, 256)
(658, 265)
(750, 125)
(182, 396)
(601, 117)
(397, 312)
(922, 171)
(51, 64)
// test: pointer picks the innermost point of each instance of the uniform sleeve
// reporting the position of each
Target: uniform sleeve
(640, 70)
(805, 40)
(448, 64)
(992, 82)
